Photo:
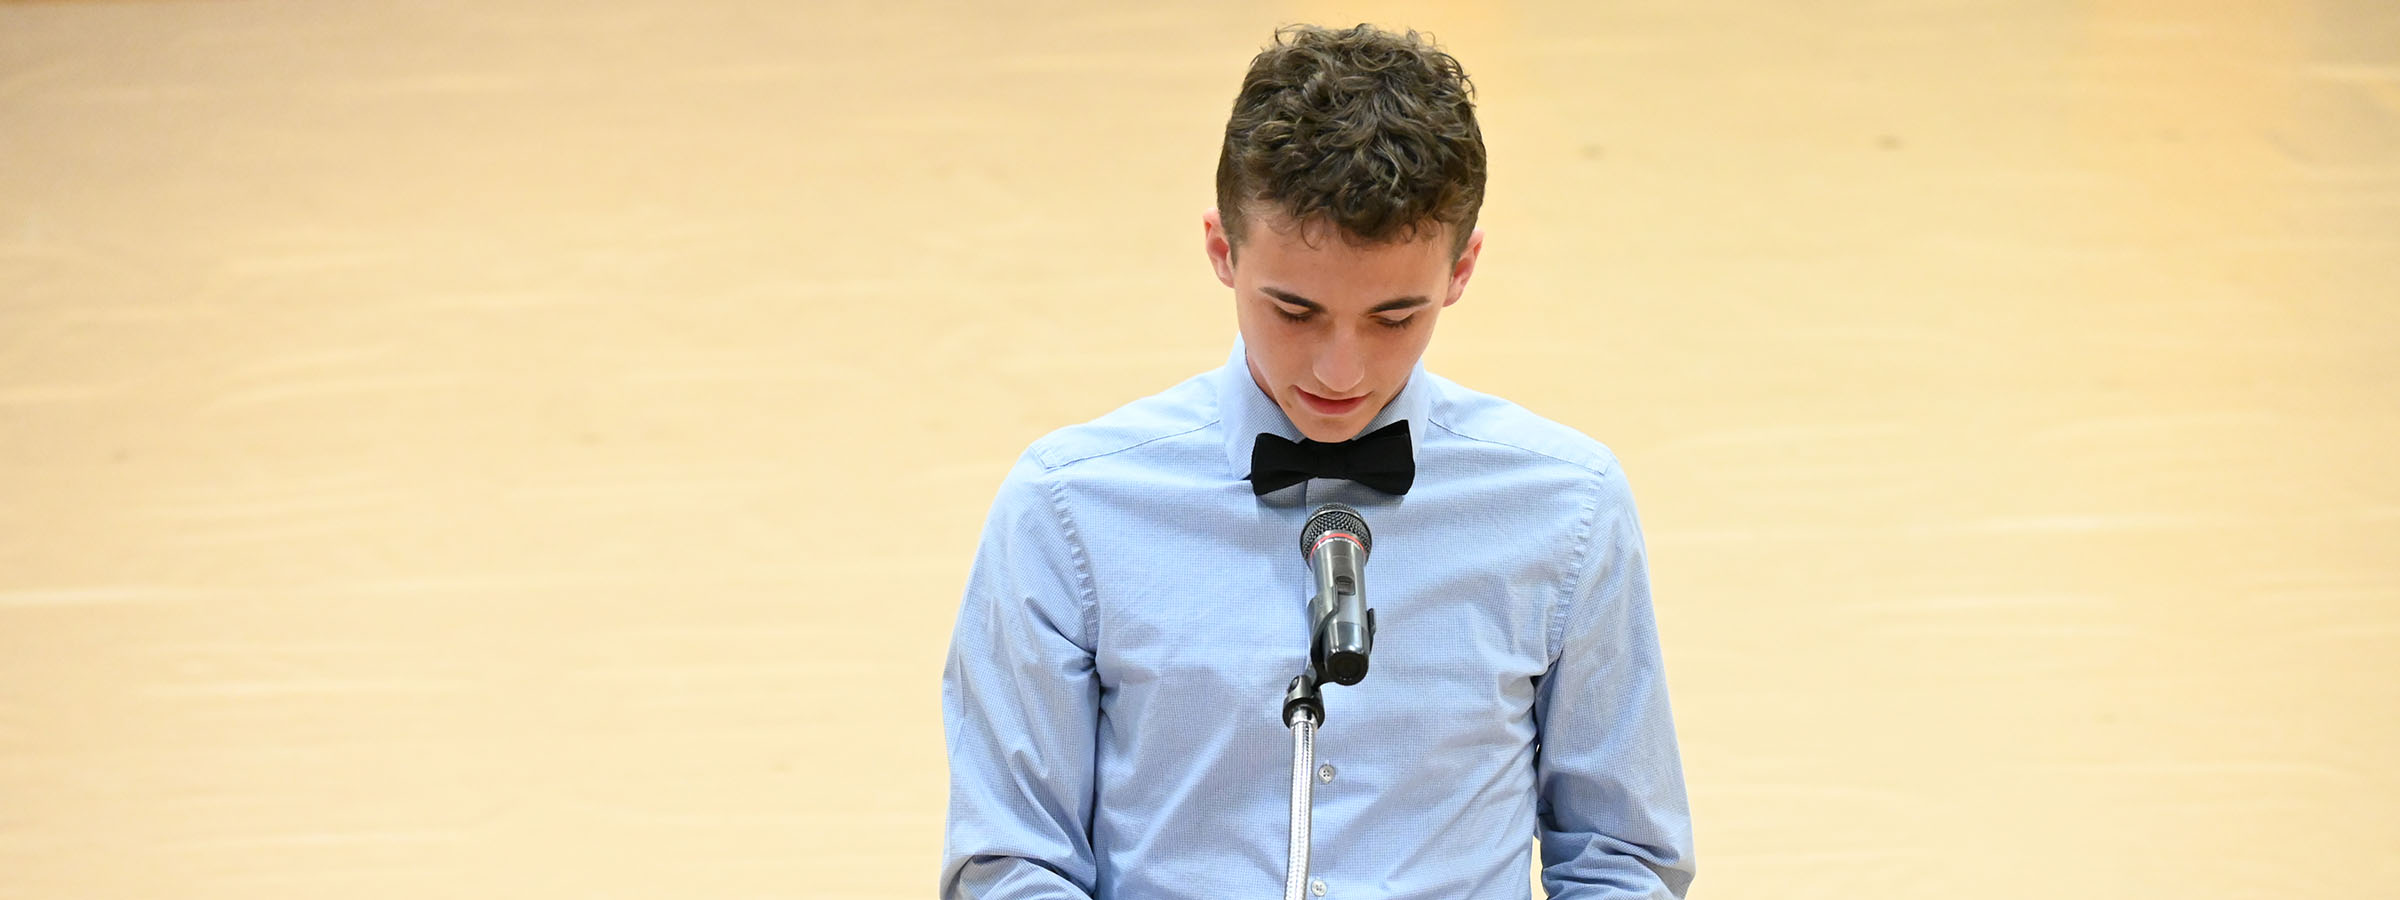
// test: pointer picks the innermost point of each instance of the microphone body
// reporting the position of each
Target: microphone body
(1341, 627)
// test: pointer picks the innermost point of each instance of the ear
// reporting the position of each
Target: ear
(1218, 244)
(1464, 268)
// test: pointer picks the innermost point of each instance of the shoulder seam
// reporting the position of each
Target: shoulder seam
(1596, 470)
(1053, 467)
(1089, 595)
(1576, 575)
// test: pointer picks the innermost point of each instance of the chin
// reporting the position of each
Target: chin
(1319, 428)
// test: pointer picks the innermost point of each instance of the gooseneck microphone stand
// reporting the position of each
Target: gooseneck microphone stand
(1341, 634)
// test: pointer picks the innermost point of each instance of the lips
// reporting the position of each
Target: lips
(1327, 407)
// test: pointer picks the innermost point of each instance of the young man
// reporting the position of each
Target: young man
(1114, 690)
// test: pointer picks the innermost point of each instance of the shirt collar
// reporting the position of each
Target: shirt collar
(1248, 412)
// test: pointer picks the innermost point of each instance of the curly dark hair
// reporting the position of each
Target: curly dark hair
(1370, 131)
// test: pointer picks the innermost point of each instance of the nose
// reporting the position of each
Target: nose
(1341, 363)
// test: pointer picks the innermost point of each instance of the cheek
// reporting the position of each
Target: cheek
(1267, 347)
(1400, 356)
(1406, 345)
(1278, 359)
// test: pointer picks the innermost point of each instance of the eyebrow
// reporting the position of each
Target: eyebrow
(1305, 303)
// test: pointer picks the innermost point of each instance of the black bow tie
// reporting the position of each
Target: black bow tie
(1379, 459)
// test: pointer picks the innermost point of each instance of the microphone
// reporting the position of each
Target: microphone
(1341, 629)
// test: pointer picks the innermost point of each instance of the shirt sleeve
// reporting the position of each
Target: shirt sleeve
(1611, 812)
(1020, 707)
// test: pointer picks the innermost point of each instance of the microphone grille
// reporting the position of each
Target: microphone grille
(1334, 517)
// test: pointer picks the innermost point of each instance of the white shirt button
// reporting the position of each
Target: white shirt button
(1317, 887)
(1325, 773)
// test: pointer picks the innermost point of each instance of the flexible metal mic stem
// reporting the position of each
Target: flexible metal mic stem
(1303, 710)
(1304, 761)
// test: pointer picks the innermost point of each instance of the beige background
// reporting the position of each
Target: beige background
(533, 450)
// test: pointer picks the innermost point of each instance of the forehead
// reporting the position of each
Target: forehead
(1273, 241)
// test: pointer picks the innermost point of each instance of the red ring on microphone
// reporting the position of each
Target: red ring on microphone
(1330, 535)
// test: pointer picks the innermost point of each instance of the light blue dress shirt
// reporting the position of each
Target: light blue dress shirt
(1113, 695)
